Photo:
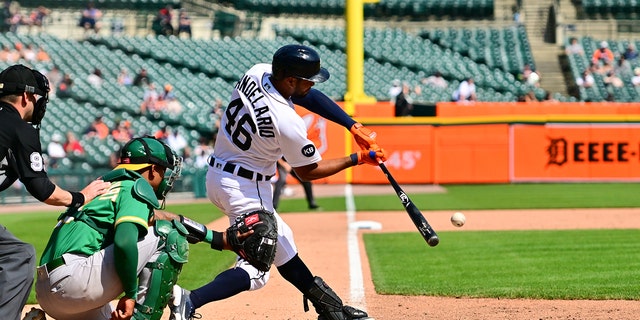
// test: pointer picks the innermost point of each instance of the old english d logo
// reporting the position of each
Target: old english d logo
(557, 151)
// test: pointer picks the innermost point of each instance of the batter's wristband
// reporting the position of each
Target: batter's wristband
(77, 200)
(354, 159)
(217, 242)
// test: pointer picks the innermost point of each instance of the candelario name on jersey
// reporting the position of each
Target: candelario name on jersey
(251, 91)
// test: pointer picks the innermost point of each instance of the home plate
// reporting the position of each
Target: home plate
(366, 224)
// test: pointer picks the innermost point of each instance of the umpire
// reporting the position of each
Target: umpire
(23, 102)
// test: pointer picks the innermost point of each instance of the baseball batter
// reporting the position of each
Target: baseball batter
(259, 127)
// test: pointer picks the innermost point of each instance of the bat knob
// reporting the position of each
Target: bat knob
(433, 241)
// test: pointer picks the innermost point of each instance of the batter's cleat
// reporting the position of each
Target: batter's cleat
(348, 313)
(35, 314)
(181, 306)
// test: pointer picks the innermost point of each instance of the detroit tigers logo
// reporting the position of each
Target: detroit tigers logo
(308, 150)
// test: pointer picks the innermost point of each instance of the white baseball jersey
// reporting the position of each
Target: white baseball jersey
(260, 126)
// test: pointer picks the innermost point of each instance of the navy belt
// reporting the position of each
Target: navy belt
(242, 172)
(54, 264)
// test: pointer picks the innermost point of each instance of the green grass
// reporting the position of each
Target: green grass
(498, 196)
(592, 264)
(575, 264)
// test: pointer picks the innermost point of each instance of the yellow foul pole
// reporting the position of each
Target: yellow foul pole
(354, 15)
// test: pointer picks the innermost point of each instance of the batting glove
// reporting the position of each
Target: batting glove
(371, 157)
(365, 138)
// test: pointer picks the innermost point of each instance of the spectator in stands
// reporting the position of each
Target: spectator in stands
(54, 77)
(9, 55)
(37, 17)
(466, 91)
(622, 68)
(201, 153)
(630, 53)
(17, 19)
(65, 86)
(603, 55)
(42, 55)
(177, 142)
(97, 128)
(528, 97)
(95, 79)
(184, 23)
(435, 80)
(636, 78)
(574, 47)
(530, 76)
(142, 78)
(28, 54)
(517, 16)
(611, 80)
(586, 80)
(90, 19)
(124, 79)
(55, 150)
(404, 105)
(122, 132)
(549, 97)
(394, 91)
(150, 99)
(168, 101)
(72, 146)
(162, 24)
(162, 134)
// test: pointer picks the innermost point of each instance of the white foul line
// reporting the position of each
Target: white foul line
(355, 265)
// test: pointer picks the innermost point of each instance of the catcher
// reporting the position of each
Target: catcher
(115, 245)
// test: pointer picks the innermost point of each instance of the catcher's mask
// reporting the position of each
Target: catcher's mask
(18, 79)
(140, 153)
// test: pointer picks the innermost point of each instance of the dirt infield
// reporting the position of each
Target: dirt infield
(322, 242)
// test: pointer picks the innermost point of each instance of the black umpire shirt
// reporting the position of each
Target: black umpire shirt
(21, 154)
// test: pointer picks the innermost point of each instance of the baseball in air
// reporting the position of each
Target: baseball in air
(458, 219)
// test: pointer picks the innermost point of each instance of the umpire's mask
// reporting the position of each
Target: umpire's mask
(18, 79)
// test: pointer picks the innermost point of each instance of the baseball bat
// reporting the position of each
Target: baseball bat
(416, 216)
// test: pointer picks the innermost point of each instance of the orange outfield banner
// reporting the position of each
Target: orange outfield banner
(580, 152)
(423, 153)
(455, 109)
(471, 154)
(409, 155)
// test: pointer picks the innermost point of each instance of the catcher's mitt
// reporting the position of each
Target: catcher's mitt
(259, 249)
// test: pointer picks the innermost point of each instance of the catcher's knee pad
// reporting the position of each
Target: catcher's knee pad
(327, 303)
(162, 273)
(258, 278)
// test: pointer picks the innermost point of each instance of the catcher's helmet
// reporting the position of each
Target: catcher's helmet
(298, 61)
(140, 153)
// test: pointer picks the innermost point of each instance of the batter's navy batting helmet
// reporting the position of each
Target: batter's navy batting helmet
(298, 61)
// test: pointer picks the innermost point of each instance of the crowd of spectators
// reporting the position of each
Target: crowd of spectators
(19, 53)
(614, 69)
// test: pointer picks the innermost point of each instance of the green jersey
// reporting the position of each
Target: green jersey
(95, 226)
